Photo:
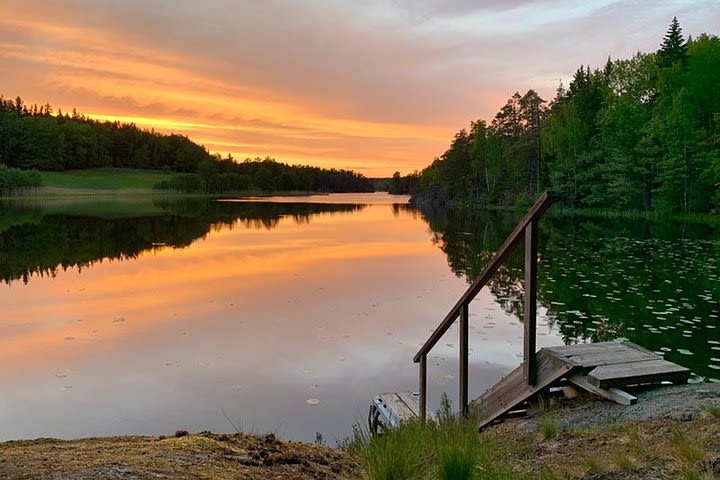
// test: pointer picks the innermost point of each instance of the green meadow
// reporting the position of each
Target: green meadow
(104, 179)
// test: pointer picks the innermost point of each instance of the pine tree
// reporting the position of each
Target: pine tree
(673, 47)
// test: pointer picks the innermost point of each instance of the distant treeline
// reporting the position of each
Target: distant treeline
(398, 184)
(35, 137)
(639, 134)
(226, 175)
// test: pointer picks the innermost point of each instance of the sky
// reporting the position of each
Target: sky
(376, 86)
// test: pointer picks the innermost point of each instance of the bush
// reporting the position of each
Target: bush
(13, 179)
(186, 182)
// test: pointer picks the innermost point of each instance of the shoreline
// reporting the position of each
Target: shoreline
(672, 432)
(50, 193)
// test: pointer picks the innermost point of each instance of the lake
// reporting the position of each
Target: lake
(287, 314)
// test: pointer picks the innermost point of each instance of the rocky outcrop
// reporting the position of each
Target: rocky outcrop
(434, 197)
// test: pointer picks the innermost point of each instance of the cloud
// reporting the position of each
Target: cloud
(383, 84)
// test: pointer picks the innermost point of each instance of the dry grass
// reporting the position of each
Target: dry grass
(654, 449)
(660, 449)
(204, 456)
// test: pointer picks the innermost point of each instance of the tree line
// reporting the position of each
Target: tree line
(638, 134)
(34, 137)
(217, 175)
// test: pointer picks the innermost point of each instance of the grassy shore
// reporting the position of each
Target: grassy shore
(114, 183)
(187, 457)
(673, 433)
(655, 449)
(103, 179)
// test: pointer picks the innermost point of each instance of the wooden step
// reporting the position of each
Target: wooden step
(398, 407)
(600, 368)
(634, 373)
(588, 355)
(513, 390)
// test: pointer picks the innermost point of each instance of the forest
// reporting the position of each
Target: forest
(638, 134)
(34, 137)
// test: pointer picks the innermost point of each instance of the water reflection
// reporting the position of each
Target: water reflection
(40, 238)
(656, 283)
(145, 317)
(330, 303)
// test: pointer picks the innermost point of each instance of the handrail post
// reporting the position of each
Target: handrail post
(528, 227)
(530, 307)
(463, 370)
(423, 387)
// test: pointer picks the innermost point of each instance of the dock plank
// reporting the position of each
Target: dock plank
(612, 357)
(413, 403)
(397, 407)
(513, 390)
(585, 348)
(614, 394)
(648, 371)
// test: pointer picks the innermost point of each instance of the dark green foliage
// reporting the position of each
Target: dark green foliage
(186, 183)
(602, 278)
(14, 179)
(673, 48)
(640, 134)
(399, 185)
(34, 138)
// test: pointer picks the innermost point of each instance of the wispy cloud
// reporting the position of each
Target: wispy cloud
(373, 85)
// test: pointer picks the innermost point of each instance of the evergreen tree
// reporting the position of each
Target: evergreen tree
(673, 48)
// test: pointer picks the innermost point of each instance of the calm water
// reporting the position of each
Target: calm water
(288, 314)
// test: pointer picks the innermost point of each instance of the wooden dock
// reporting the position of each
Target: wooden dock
(390, 409)
(600, 368)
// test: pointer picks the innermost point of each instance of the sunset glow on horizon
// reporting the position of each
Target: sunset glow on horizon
(376, 86)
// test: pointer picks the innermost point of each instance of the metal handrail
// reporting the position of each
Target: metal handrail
(527, 227)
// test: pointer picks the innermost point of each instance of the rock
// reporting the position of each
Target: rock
(436, 196)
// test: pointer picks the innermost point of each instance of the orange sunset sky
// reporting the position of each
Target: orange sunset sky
(374, 86)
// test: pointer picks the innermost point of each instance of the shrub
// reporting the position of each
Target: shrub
(13, 179)
(185, 182)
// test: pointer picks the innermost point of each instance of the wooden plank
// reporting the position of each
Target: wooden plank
(513, 390)
(614, 394)
(586, 348)
(637, 347)
(648, 371)
(530, 303)
(536, 211)
(413, 403)
(611, 357)
(397, 407)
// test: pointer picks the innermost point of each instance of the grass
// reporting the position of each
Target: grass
(687, 448)
(449, 449)
(713, 410)
(103, 179)
(548, 429)
(639, 215)
(593, 465)
(182, 457)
